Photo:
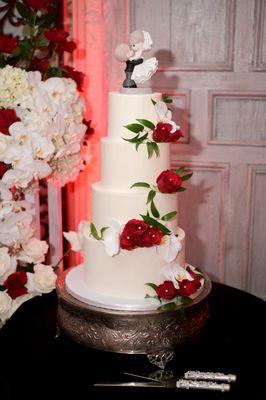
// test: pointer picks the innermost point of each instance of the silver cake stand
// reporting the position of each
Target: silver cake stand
(155, 333)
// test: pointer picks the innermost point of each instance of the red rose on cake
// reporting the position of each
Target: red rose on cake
(151, 237)
(166, 290)
(138, 233)
(163, 133)
(168, 181)
(187, 287)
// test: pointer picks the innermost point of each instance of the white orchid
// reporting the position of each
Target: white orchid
(169, 248)
(43, 148)
(165, 115)
(5, 194)
(16, 228)
(17, 178)
(175, 273)
(76, 239)
(111, 237)
(4, 142)
(18, 155)
(18, 133)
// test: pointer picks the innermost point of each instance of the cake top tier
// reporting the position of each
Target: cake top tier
(137, 69)
(126, 108)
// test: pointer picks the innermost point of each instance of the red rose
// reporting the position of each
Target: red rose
(38, 4)
(56, 35)
(67, 45)
(166, 290)
(168, 181)
(151, 237)
(162, 133)
(77, 76)
(39, 64)
(7, 118)
(137, 227)
(7, 44)
(187, 288)
(128, 240)
(15, 284)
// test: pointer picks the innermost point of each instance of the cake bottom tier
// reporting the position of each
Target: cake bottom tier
(125, 274)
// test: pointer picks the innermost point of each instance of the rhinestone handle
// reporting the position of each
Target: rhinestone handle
(212, 376)
(206, 385)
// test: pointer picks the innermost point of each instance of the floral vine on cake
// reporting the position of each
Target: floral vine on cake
(166, 130)
(169, 181)
(179, 288)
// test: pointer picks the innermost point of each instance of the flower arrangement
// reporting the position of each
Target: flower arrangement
(42, 135)
(165, 131)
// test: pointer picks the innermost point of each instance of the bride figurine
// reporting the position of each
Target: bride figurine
(137, 70)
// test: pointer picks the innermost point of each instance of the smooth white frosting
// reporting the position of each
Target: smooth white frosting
(125, 274)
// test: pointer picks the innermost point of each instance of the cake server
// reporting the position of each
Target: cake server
(179, 384)
(192, 375)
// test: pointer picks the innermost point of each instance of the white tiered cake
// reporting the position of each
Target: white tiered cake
(133, 250)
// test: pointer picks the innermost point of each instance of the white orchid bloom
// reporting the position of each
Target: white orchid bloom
(44, 105)
(175, 273)
(169, 248)
(5, 194)
(16, 228)
(39, 169)
(17, 178)
(18, 133)
(55, 87)
(5, 208)
(111, 237)
(165, 115)
(42, 147)
(18, 155)
(34, 82)
(84, 229)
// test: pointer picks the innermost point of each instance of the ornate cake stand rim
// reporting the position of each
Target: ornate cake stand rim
(64, 295)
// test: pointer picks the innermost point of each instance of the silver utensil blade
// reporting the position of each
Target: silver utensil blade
(130, 384)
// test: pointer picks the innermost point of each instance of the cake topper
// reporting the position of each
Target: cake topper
(137, 70)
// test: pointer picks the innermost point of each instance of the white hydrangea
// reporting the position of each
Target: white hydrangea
(13, 84)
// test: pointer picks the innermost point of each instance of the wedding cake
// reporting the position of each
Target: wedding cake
(134, 250)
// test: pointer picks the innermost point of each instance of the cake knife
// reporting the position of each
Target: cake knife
(193, 375)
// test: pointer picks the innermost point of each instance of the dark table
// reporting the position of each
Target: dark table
(35, 365)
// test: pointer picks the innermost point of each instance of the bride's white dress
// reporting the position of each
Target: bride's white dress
(143, 72)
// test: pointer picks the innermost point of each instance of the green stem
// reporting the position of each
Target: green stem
(63, 256)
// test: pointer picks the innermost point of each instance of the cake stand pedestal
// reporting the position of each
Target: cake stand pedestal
(152, 332)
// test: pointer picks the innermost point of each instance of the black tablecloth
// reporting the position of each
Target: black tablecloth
(34, 365)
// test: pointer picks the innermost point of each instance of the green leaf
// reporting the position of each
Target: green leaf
(166, 98)
(136, 128)
(168, 307)
(25, 47)
(153, 222)
(132, 140)
(146, 123)
(151, 285)
(181, 189)
(23, 10)
(140, 184)
(153, 102)
(147, 296)
(141, 140)
(186, 177)
(27, 30)
(54, 71)
(47, 20)
(103, 230)
(150, 149)
(154, 210)
(180, 170)
(169, 215)
(42, 42)
(155, 148)
(94, 231)
(151, 196)
(198, 270)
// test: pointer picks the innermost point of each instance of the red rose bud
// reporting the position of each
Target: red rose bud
(166, 290)
(56, 35)
(3, 169)
(187, 288)
(7, 118)
(168, 182)
(128, 240)
(151, 237)
(174, 136)
(39, 64)
(7, 44)
(137, 227)
(15, 284)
